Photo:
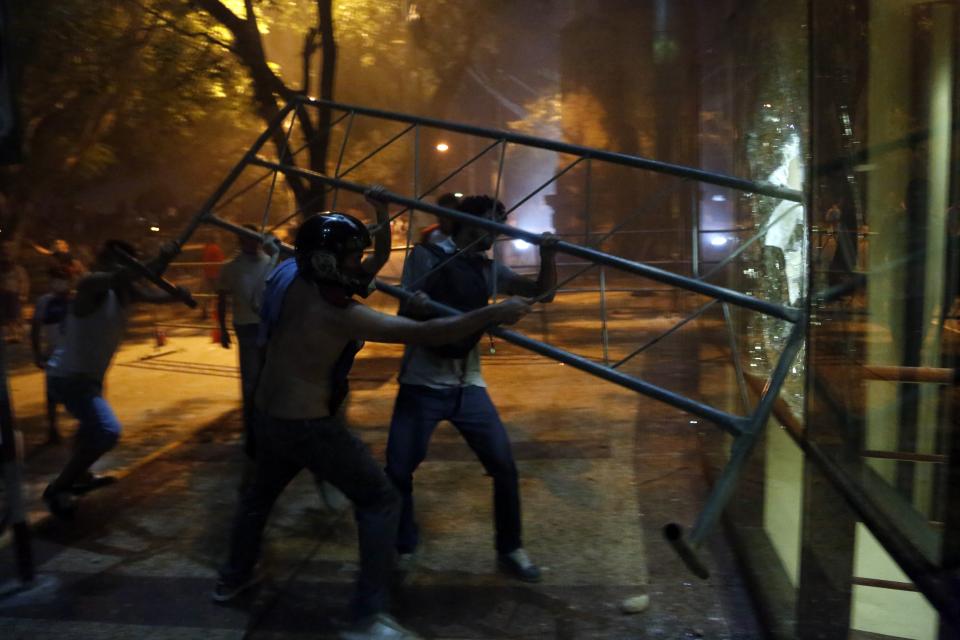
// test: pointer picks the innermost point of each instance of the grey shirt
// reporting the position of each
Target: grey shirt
(243, 278)
(89, 342)
(420, 365)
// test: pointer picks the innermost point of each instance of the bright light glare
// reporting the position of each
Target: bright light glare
(718, 197)
(718, 241)
(442, 146)
(154, 228)
(521, 244)
(458, 195)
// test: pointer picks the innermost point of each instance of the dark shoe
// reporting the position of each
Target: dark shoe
(379, 627)
(227, 591)
(60, 503)
(89, 483)
(517, 563)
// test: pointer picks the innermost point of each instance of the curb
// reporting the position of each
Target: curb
(125, 471)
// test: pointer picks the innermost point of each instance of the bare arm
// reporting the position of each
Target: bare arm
(546, 279)
(41, 249)
(381, 239)
(363, 323)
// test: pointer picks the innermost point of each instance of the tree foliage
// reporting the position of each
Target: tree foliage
(162, 91)
(113, 89)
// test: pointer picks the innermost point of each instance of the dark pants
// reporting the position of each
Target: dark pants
(416, 413)
(52, 404)
(331, 452)
(249, 354)
(99, 428)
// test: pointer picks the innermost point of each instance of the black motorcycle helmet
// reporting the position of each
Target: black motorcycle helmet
(321, 244)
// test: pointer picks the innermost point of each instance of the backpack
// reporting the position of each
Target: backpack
(460, 284)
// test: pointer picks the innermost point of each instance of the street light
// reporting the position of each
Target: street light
(442, 147)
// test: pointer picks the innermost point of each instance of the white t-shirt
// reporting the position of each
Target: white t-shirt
(89, 342)
(243, 278)
(424, 367)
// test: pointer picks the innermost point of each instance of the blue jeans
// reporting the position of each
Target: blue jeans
(331, 453)
(99, 428)
(416, 413)
(83, 397)
(250, 361)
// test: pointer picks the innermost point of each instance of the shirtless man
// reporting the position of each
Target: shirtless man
(313, 329)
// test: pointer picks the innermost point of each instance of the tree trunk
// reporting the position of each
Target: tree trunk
(318, 132)
(268, 89)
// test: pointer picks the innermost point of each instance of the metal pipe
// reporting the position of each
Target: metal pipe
(377, 150)
(743, 247)
(852, 480)
(587, 194)
(416, 188)
(251, 153)
(737, 365)
(646, 345)
(695, 235)
(343, 148)
(573, 149)
(743, 445)
(496, 198)
(243, 231)
(735, 297)
(728, 422)
(544, 185)
(273, 182)
(604, 334)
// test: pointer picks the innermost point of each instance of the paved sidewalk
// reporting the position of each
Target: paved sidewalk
(602, 469)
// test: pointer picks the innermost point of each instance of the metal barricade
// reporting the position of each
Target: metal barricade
(580, 256)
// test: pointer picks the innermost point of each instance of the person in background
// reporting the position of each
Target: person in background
(443, 227)
(242, 281)
(211, 256)
(62, 257)
(92, 330)
(46, 332)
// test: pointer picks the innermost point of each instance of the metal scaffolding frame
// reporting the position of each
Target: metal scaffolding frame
(745, 429)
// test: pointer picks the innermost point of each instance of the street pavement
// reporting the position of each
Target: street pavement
(602, 470)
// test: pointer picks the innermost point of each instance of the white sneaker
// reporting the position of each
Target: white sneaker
(379, 627)
(406, 562)
(332, 498)
(518, 564)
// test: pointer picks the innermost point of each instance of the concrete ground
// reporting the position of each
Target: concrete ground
(602, 469)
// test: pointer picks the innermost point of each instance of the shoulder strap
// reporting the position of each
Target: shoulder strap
(433, 249)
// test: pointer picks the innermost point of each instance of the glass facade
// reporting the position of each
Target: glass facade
(847, 517)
